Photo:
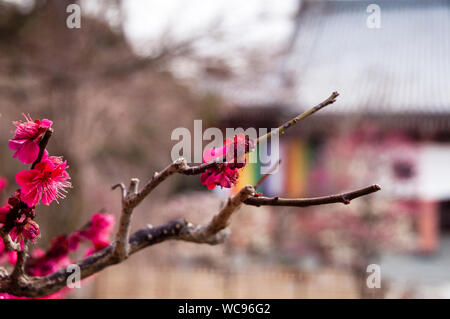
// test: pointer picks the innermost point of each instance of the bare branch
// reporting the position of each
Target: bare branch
(43, 286)
(122, 188)
(179, 166)
(121, 250)
(211, 232)
(304, 202)
(134, 186)
(131, 199)
(19, 268)
(282, 129)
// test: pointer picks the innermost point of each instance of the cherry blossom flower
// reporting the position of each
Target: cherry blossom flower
(3, 183)
(221, 175)
(26, 139)
(25, 229)
(46, 182)
(99, 230)
(233, 154)
(44, 263)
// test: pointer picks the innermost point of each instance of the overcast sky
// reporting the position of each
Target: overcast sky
(246, 23)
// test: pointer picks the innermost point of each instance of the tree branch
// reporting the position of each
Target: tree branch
(211, 234)
(176, 230)
(179, 166)
(19, 268)
(282, 129)
(20, 284)
(134, 197)
(304, 202)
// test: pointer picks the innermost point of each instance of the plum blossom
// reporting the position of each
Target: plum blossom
(25, 229)
(46, 182)
(17, 220)
(222, 176)
(26, 139)
(233, 153)
(98, 231)
(3, 183)
(42, 263)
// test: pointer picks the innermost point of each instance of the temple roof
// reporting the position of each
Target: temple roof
(402, 68)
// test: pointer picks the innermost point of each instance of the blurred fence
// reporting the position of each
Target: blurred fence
(180, 282)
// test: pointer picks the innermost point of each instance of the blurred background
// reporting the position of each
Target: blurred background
(135, 70)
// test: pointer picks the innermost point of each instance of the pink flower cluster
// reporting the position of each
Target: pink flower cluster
(99, 230)
(27, 138)
(46, 182)
(16, 219)
(232, 156)
(97, 233)
(41, 263)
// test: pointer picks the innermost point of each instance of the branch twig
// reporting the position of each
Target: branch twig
(304, 202)
(282, 129)
(211, 234)
(19, 268)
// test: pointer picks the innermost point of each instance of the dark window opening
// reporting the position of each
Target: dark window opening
(444, 222)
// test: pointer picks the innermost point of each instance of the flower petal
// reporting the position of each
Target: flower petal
(29, 152)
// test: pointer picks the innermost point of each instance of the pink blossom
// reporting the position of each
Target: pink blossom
(4, 213)
(222, 176)
(75, 240)
(26, 139)
(233, 156)
(28, 229)
(43, 263)
(46, 182)
(99, 230)
(12, 257)
(3, 183)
